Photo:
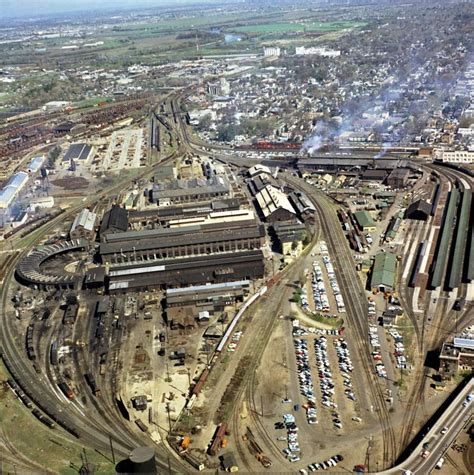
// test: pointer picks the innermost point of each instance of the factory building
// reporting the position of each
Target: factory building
(165, 243)
(365, 222)
(164, 215)
(36, 163)
(9, 195)
(383, 272)
(225, 267)
(398, 178)
(83, 225)
(211, 298)
(78, 152)
(419, 209)
(115, 220)
(456, 356)
(190, 191)
(290, 237)
(275, 205)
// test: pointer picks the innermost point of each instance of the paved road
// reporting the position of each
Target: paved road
(455, 417)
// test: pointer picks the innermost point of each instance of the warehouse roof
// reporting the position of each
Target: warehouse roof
(36, 163)
(77, 151)
(12, 188)
(271, 199)
(216, 184)
(464, 343)
(86, 219)
(383, 271)
(440, 261)
(116, 219)
(208, 287)
(364, 219)
(256, 169)
(168, 238)
(418, 208)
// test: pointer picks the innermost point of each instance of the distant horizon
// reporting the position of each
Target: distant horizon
(31, 8)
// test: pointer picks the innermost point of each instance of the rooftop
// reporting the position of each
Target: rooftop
(383, 272)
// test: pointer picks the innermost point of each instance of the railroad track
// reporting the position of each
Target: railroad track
(353, 294)
(428, 340)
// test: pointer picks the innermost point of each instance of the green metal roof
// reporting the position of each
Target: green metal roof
(364, 219)
(440, 261)
(384, 269)
(455, 271)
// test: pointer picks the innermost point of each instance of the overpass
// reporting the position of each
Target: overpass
(454, 418)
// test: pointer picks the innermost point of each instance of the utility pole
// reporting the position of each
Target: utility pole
(169, 416)
(112, 449)
(261, 403)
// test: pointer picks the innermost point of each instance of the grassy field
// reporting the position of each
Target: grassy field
(47, 447)
(294, 27)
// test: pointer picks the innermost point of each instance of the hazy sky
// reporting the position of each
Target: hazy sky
(10, 8)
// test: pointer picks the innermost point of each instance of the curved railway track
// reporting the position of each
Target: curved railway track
(435, 339)
(354, 297)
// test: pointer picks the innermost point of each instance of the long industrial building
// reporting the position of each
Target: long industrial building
(181, 241)
(225, 267)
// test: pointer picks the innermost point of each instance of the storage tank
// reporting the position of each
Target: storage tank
(142, 460)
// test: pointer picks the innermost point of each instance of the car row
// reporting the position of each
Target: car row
(345, 366)
(326, 382)
(333, 283)
(291, 452)
(300, 330)
(330, 462)
(399, 352)
(232, 346)
(304, 371)
(320, 296)
(376, 355)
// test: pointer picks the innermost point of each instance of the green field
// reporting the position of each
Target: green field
(294, 27)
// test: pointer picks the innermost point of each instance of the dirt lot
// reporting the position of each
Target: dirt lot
(71, 183)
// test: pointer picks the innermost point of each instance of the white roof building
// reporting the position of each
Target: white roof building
(85, 219)
(12, 189)
(274, 204)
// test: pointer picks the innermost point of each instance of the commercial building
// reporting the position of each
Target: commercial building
(398, 178)
(365, 221)
(455, 156)
(383, 272)
(456, 356)
(188, 191)
(271, 51)
(275, 205)
(314, 51)
(83, 225)
(225, 267)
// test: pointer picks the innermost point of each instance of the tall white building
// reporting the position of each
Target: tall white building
(328, 53)
(271, 51)
(455, 156)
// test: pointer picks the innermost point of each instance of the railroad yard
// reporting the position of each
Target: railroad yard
(223, 304)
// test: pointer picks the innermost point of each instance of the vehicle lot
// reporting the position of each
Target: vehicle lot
(332, 366)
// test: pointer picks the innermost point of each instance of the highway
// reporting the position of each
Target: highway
(455, 417)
